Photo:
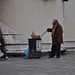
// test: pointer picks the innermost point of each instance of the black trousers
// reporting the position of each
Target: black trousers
(3, 49)
(55, 50)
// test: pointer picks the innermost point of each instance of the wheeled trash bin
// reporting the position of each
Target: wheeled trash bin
(34, 48)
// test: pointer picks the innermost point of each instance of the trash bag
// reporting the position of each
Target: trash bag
(26, 53)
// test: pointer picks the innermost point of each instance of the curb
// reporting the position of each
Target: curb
(46, 53)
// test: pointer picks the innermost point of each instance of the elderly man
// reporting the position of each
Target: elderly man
(3, 49)
(57, 38)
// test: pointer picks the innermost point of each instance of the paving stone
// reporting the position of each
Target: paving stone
(65, 65)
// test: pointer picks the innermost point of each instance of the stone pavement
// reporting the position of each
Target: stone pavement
(65, 65)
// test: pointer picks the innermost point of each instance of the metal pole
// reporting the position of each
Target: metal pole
(43, 33)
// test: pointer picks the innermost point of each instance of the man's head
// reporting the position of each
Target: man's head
(55, 22)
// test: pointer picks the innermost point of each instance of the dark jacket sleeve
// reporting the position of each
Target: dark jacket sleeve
(0, 36)
(2, 39)
(49, 29)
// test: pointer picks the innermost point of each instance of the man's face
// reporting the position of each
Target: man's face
(54, 23)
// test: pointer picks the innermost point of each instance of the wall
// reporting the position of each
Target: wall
(26, 16)
(8, 12)
(69, 25)
(0, 9)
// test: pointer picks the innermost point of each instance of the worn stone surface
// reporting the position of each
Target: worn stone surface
(15, 42)
(65, 65)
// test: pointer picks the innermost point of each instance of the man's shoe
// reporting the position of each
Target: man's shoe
(3, 58)
(58, 57)
(51, 56)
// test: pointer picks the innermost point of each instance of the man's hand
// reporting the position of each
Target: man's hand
(49, 29)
